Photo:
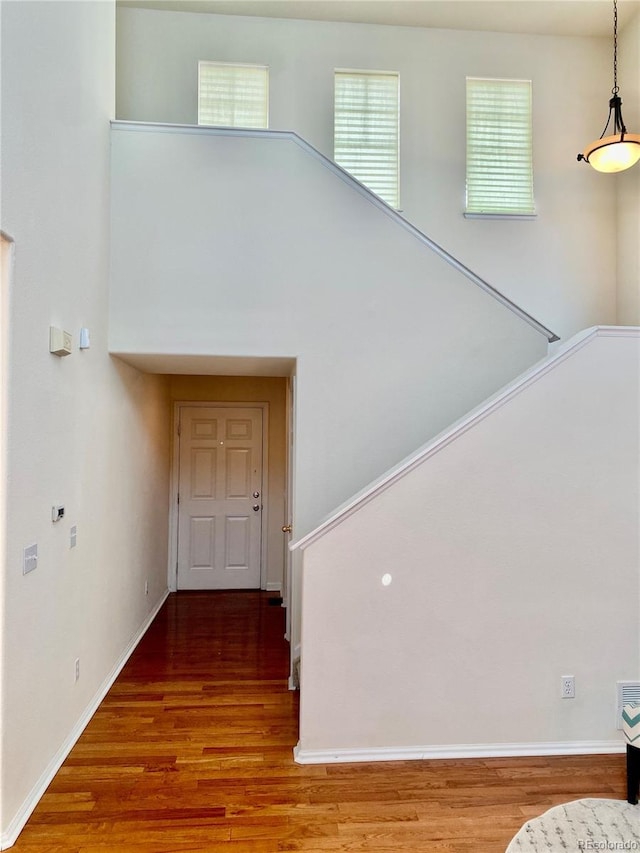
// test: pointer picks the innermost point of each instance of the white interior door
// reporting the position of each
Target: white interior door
(220, 498)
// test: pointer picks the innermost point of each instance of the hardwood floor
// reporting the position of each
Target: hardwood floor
(192, 751)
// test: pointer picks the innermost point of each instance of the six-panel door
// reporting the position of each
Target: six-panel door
(219, 517)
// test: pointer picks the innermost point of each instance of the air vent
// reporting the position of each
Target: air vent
(628, 694)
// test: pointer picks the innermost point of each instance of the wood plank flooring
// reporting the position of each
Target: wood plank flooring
(192, 751)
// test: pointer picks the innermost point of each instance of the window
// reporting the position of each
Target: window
(499, 147)
(366, 129)
(233, 95)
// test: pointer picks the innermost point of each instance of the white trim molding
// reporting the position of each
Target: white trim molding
(460, 427)
(10, 835)
(458, 750)
(498, 216)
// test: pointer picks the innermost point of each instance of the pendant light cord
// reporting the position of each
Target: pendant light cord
(615, 47)
(615, 104)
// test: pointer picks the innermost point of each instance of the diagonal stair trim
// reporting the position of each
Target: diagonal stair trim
(462, 426)
(292, 136)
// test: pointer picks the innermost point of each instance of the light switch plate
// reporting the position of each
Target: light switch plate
(29, 559)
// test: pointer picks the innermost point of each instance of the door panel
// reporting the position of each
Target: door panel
(219, 520)
(203, 474)
(238, 479)
(238, 543)
(202, 542)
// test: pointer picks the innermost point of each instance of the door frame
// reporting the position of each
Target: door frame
(174, 479)
(289, 501)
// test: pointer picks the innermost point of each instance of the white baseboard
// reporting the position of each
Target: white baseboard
(274, 586)
(463, 750)
(10, 835)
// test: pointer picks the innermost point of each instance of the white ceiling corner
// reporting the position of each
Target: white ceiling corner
(544, 17)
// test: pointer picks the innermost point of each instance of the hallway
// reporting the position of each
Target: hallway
(191, 750)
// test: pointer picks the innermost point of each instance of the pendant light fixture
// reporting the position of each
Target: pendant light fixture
(620, 150)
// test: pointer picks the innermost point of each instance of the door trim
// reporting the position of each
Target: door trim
(172, 572)
(289, 500)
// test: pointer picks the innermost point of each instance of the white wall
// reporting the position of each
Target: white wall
(560, 267)
(514, 553)
(86, 431)
(628, 183)
(251, 247)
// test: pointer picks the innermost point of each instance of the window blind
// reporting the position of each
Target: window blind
(499, 147)
(233, 95)
(366, 129)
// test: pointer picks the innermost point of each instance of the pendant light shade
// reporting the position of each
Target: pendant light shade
(613, 153)
(620, 150)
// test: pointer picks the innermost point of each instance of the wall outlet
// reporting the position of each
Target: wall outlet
(146, 587)
(568, 687)
(73, 537)
(77, 669)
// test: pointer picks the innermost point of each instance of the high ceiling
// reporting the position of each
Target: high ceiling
(555, 17)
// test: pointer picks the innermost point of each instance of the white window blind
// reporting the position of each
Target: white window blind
(233, 95)
(499, 147)
(366, 129)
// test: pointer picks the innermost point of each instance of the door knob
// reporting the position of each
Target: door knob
(256, 507)
(256, 494)
(286, 528)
